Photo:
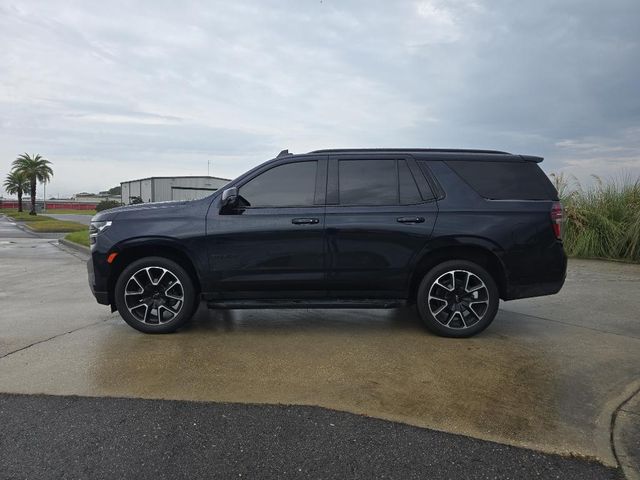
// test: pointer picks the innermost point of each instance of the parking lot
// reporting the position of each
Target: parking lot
(548, 375)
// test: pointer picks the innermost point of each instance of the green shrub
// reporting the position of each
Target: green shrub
(107, 204)
(603, 220)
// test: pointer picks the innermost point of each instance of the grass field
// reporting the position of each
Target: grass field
(80, 237)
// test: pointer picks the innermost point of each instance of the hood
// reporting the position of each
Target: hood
(143, 209)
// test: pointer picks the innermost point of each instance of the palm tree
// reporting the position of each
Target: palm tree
(16, 183)
(36, 169)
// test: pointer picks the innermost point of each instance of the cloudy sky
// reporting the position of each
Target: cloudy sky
(114, 90)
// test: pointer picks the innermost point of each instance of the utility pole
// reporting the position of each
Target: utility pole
(208, 162)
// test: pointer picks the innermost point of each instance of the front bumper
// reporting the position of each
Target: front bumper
(102, 295)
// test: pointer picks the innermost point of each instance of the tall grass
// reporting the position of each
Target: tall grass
(603, 219)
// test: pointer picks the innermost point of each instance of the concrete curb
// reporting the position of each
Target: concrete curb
(75, 246)
(26, 227)
(625, 435)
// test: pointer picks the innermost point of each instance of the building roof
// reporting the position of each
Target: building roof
(178, 176)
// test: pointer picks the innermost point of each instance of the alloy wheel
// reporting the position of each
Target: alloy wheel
(154, 295)
(458, 299)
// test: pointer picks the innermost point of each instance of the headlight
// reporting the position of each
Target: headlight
(95, 228)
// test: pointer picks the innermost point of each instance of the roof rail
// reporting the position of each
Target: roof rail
(283, 153)
(435, 150)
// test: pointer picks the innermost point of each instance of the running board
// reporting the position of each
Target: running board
(310, 303)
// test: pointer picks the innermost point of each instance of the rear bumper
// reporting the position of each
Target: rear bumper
(545, 276)
(534, 290)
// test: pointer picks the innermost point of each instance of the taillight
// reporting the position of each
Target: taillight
(556, 219)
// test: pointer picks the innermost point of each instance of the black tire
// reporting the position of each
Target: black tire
(467, 309)
(175, 284)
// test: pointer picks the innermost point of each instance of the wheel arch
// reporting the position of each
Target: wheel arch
(482, 252)
(131, 252)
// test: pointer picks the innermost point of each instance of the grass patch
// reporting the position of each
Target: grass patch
(81, 237)
(44, 224)
(13, 212)
(55, 226)
(23, 216)
(603, 220)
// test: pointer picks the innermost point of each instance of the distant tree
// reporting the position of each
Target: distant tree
(107, 204)
(115, 190)
(16, 183)
(136, 200)
(36, 169)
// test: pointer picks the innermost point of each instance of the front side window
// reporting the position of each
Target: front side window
(289, 185)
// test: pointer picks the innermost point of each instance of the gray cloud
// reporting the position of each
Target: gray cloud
(162, 87)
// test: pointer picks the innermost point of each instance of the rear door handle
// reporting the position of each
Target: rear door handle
(305, 221)
(410, 219)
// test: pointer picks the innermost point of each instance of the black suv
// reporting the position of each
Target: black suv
(452, 231)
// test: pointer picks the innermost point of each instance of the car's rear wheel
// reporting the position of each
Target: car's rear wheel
(155, 295)
(457, 298)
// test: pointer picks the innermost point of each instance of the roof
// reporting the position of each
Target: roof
(408, 150)
(446, 153)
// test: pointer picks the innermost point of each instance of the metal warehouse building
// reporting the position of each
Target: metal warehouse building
(162, 189)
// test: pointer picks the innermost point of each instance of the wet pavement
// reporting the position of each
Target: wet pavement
(9, 231)
(548, 373)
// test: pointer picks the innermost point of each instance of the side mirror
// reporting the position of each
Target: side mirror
(229, 198)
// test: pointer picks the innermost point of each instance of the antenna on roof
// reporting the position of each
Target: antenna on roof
(283, 153)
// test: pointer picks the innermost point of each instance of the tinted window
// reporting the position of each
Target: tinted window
(506, 180)
(409, 192)
(368, 182)
(289, 185)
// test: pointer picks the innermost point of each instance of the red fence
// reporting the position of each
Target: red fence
(51, 205)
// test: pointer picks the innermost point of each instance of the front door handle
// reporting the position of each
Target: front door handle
(305, 221)
(410, 219)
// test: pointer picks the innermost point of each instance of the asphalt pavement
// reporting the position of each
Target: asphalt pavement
(78, 437)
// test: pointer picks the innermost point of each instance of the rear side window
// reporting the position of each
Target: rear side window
(409, 192)
(368, 182)
(288, 185)
(376, 182)
(505, 180)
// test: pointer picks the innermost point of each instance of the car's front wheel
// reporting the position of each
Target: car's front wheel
(155, 295)
(457, 298)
